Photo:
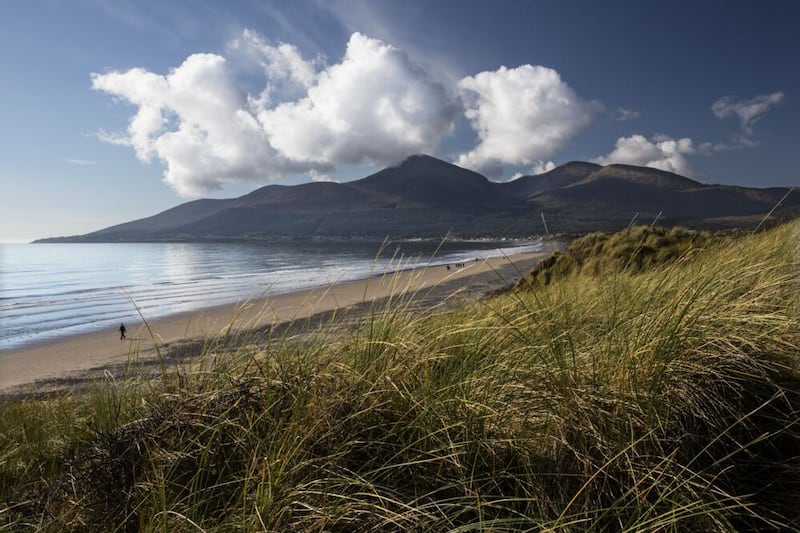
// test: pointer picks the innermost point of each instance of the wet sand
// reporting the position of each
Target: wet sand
(53, 365)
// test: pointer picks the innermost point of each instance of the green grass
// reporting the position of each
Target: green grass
(657, 398)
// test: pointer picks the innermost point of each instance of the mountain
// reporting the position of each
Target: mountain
(426, 197)
(619, 192)
(424, 181)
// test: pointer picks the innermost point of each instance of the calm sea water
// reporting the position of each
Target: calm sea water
(53, 290)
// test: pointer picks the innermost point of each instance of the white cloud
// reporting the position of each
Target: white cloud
(747, 111)
(316, 175)
(281, 62)
(660, 152)
(82, 162)
(623, 114)
(711, 148)
(666, 153)
(540, 167)
(521, 115)
(197, 121)
(375, 106)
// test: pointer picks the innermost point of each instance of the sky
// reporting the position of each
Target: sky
(116, 110)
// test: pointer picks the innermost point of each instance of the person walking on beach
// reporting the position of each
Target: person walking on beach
(122, 332)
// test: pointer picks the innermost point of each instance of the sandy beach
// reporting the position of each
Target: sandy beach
(53, 364)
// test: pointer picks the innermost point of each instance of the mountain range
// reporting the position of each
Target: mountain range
(426, 197)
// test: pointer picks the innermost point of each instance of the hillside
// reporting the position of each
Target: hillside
(426, 197)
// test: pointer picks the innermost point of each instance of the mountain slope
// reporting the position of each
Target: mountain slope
(624, 190)
(650, 177)
(561, 176)
(177, 216)
(313, 197)
(427, 197)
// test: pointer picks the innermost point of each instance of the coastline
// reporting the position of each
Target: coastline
(55, 364)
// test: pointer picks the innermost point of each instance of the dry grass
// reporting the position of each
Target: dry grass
(663, 398)
(631, 250)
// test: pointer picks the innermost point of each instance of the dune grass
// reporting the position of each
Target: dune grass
(633, 249)
(657, 398)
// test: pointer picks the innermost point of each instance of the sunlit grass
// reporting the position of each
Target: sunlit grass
(653, 398)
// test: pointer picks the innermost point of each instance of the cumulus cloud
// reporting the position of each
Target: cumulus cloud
(521, 115)
(747, 111)
(661, 152)
(376, 105)
(196, 121)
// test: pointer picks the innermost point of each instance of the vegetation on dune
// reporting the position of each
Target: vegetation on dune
(633, 249)
(660, 397)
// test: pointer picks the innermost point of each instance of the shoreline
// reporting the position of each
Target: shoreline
(55, 364)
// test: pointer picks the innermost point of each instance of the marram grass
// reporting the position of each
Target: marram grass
(664, 399)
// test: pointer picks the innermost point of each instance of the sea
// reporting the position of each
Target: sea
(48, 291)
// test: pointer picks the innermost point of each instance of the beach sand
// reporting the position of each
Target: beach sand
(60, 364)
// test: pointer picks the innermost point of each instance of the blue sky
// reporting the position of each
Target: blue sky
(115, 110)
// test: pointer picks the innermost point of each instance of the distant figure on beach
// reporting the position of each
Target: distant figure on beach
(122, 332)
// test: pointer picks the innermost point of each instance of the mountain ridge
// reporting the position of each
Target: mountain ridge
(423, 196)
